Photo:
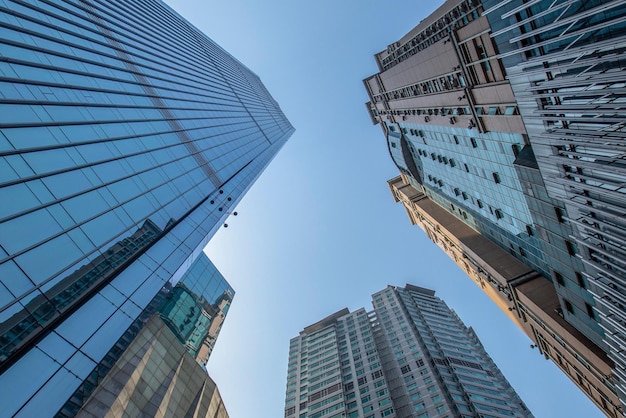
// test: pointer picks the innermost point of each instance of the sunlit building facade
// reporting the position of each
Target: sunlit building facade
(457, 98)
(411, 356)
(126, 139)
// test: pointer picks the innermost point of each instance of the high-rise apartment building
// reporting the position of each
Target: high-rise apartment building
(126, 138)
(472, 134)
(411, 356)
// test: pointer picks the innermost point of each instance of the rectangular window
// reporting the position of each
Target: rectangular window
(559, 278)
(560, 213)
(568, 306)
(571, 248)
(496, 177)
(474, 143)
(580, 280)
(590, 311)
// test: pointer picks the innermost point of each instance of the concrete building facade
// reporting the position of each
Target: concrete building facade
(411, 356)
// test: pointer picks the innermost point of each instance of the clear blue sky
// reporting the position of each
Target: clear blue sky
(320, 231)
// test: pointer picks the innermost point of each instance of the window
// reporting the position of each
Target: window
(560, 213)
(571, 248)
(405, 369)
(393, 144)
(499, 214)
(559, 278)
(466, 167)
(568, 306)
(580, 280)
(452, 163)
(496, 177)
(522, 252)
(457, 191)
(362, 380)
(480, 203)
(474, 143)
(590, 311)
(456, 140)
(464, 196)
(529, 230)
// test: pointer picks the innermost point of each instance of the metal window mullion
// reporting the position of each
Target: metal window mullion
(537, 62)
(570, 35)
(571, 19)
(607, 289)
(533, 17)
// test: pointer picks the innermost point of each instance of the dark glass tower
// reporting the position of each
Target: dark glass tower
(126, 138)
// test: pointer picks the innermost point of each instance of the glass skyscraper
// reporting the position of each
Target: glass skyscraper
(126, 138)
(409, 357)
(504, 120)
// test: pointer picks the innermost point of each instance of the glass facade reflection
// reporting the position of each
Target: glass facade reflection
(196, 307)
(126, 138)
(192, 310)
